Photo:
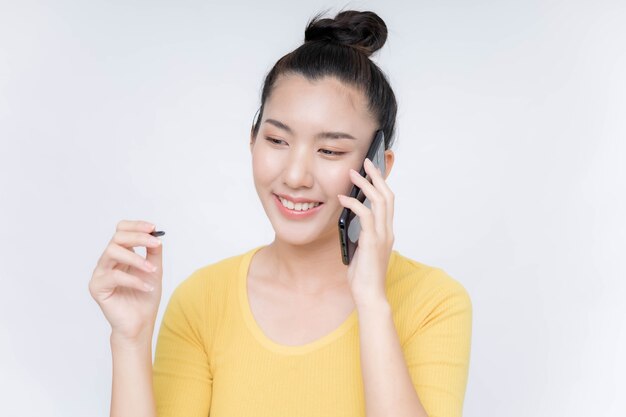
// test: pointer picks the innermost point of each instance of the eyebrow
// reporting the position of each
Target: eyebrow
(321, 135)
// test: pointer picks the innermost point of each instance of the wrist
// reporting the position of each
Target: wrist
(119, 341)
(377, 304)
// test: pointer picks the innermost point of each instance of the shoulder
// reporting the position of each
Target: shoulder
(427, 286)
(405, 271)
(210, 280)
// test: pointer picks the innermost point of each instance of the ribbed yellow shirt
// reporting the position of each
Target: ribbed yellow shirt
(212, 358)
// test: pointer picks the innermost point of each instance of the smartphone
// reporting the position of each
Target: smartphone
(349, 224)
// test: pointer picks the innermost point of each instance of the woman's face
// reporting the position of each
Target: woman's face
(311, 134)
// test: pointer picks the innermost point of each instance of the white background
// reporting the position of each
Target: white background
(509, 175)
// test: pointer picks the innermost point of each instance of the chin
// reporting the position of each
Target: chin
(294, 235)
(301, 234)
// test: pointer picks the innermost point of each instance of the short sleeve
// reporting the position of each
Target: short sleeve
(182, 378)
(438, 352)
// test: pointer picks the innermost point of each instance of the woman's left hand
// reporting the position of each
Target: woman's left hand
(368, 269)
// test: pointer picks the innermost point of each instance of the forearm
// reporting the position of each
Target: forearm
(387, 383)
(132, 394)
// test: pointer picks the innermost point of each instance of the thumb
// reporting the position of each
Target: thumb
(154, 255)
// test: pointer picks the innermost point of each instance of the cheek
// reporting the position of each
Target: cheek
(263, 166)
(337, 180)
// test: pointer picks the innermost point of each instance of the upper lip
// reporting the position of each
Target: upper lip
(297, 199)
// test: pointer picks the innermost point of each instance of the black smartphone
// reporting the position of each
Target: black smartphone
(349, 224)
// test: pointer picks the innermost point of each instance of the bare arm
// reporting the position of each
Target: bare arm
(389, 390)
(132, 394)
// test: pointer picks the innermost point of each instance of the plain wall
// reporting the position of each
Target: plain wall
(509, 175)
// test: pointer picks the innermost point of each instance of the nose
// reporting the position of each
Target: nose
(297, 172)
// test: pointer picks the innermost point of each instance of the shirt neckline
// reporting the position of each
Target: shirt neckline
(258, 332)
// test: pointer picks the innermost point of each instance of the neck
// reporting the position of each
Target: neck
(312, 268)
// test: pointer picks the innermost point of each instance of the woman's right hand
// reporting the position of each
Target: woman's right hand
(121, 278)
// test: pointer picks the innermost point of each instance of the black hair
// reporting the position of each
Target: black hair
(341, 47)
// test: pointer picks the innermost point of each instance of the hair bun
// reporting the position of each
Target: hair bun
(364, 31)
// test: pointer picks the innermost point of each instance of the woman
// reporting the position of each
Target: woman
(286, 329)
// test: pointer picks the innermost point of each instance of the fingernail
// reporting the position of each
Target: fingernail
(148, 287)
(150, 267)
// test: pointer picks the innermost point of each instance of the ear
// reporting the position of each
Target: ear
(252, 140)
(389, 159)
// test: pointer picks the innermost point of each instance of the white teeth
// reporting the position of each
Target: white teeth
(297, 206)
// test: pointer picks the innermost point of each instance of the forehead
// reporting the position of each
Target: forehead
(320, 104)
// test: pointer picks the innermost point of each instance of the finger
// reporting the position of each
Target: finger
(154, 251)
(135, 239)
(381, 185)
(115, 254)
(377, 178)
(135, 225)
(117, 278)
(154, 254)
(377, 201)
(365, 215)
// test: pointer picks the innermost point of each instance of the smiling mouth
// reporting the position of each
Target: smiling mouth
(298, 206)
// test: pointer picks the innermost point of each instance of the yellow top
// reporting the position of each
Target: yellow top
(212, 358)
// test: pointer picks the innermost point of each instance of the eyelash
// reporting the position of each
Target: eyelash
(332, 153)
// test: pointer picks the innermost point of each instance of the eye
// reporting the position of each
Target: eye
(274, 141)
(331, 153)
